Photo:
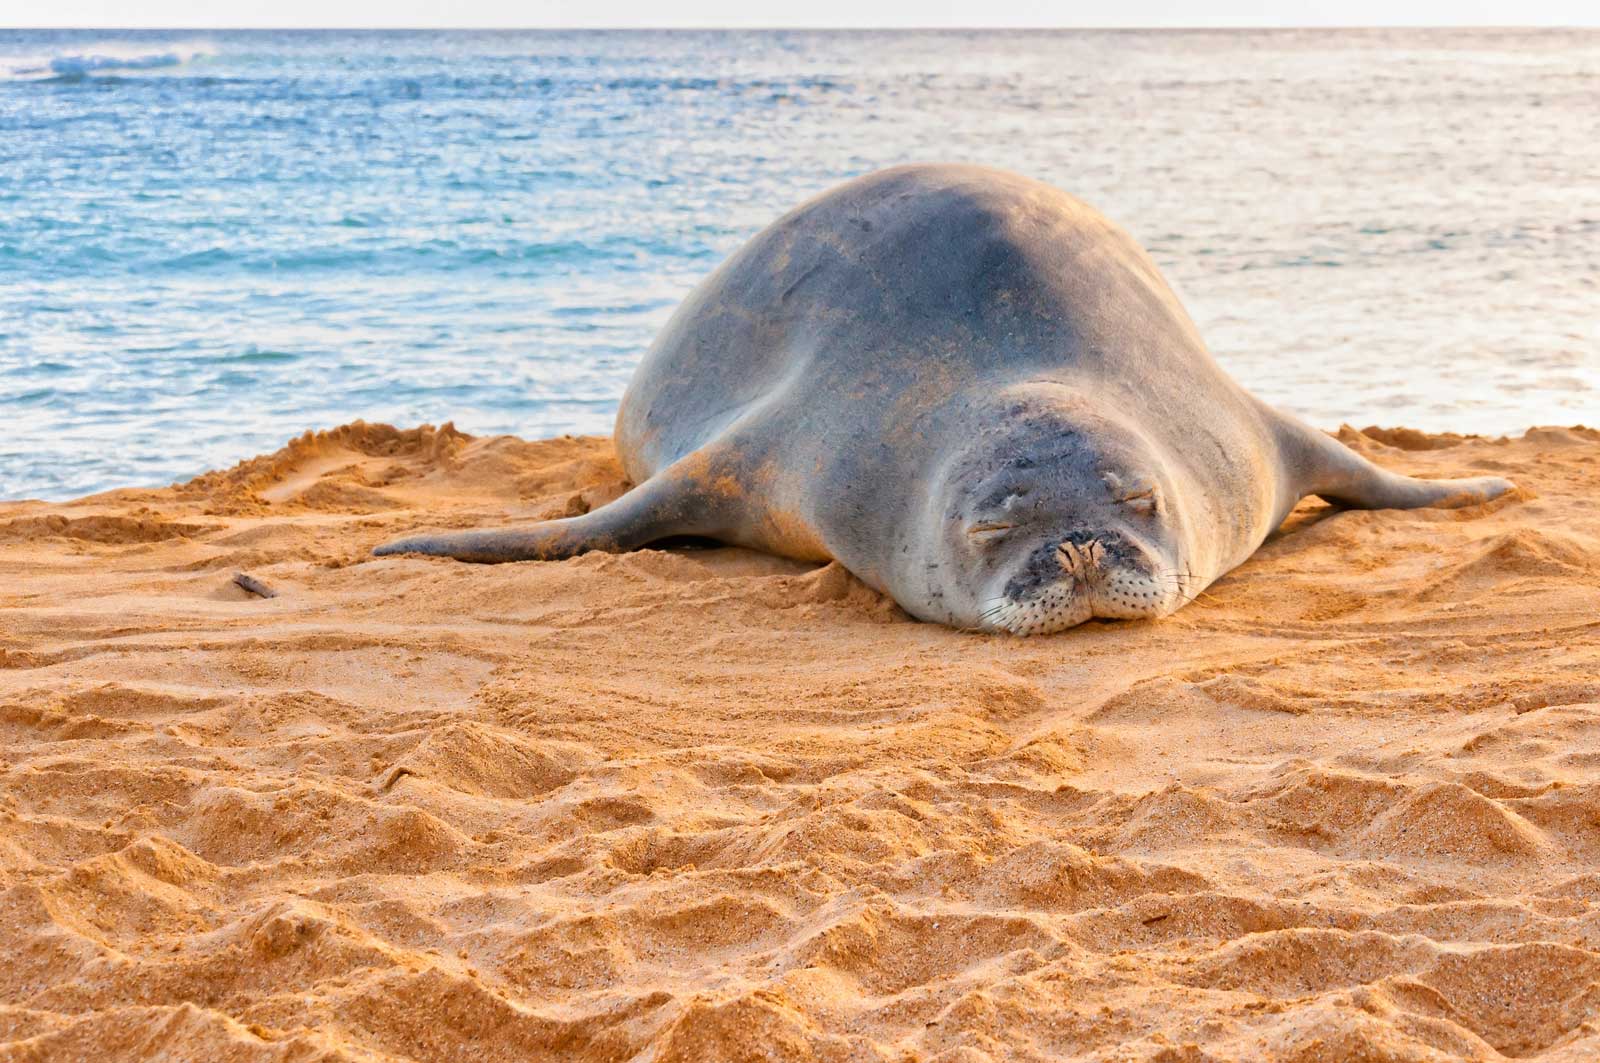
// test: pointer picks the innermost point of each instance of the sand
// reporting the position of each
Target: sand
(715, 805)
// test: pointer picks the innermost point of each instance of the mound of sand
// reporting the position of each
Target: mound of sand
(714, 805)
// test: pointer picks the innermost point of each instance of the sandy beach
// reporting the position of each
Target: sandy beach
(714, 805)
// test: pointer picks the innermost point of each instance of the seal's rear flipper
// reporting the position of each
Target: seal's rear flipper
(1334, 472)
(667, 504)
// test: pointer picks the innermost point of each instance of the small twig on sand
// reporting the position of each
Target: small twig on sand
(253, 585)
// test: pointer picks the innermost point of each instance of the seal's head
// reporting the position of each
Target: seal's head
(1053, 516)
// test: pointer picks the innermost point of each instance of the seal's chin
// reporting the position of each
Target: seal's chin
(1119, 594)
(1055, 609)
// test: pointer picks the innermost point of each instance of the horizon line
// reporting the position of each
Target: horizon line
(779, 27)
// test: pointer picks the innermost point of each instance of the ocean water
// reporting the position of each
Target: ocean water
(211, 242)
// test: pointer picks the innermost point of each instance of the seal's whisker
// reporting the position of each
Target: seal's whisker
(1186, 598)
(994, 611)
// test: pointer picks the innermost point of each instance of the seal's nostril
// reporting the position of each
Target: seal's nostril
(1080, 558)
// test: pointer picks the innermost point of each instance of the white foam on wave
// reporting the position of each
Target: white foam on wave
(101, 59)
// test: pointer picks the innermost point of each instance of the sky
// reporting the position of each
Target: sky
(210, 14)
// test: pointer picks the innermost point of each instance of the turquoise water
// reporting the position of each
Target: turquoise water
(211, 242)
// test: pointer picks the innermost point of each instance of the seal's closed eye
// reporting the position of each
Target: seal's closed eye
(989, 531)
(1138, 494)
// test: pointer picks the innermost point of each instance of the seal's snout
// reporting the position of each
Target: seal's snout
(1081, 576)
(1080, 561)
(1092, 557)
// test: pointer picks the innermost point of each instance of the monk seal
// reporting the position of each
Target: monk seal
(973, 391)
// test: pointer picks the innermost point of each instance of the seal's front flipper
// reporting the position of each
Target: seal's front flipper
(1334, 472)
(667, 504)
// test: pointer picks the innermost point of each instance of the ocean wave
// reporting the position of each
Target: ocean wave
(101, 59)
(437, 256)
